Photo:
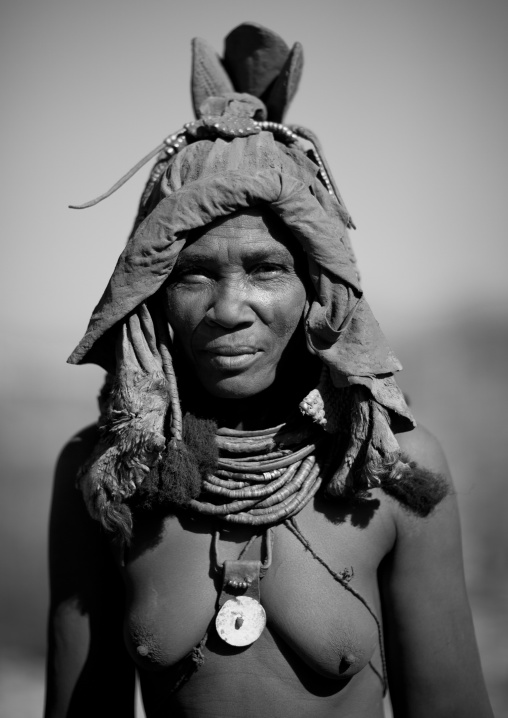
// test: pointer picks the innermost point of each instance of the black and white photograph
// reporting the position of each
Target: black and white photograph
(253, 384)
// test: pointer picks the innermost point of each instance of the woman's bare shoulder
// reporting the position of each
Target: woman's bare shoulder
(68, 511)
(425, 482)
(433, 537)
(77, 450)
(433, 489)
(421, 446)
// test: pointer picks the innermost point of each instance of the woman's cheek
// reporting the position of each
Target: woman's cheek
(281, 305)
(287, 311)
(185, 307)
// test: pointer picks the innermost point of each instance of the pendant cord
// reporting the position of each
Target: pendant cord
(344, 578)
(267, 540)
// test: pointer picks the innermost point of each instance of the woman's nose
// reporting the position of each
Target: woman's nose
(230, 306)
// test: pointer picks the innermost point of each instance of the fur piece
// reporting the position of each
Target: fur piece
(102, 493)
(417, 489)
(199, 436)
(133, 410)
(179, 475)
(173, 482)
(373, 459)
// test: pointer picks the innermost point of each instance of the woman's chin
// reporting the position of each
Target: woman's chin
(236, 386)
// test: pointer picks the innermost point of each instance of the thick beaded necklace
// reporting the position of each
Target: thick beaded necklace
(265, 476)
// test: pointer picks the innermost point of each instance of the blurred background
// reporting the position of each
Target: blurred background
(410, 102)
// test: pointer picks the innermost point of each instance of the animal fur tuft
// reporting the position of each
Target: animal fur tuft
(179, 475)
(199, 436)
(417, 489)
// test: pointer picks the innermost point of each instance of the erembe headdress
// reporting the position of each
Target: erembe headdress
(235, 156)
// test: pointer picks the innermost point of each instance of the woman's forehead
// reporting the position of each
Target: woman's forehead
(256, 232)
(257, 220)
(237, 246)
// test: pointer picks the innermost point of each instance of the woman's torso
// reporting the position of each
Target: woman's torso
(312, 658)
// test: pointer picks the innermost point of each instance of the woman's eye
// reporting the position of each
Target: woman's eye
(268, 270)
(191, 275)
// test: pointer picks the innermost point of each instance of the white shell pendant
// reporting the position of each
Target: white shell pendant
(240, 621)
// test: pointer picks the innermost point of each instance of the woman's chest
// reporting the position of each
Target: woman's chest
(314, 593)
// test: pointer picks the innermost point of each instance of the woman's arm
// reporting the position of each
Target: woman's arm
(433, 663)
(88, 669)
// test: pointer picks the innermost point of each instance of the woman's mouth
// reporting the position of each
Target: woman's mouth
(232, 358)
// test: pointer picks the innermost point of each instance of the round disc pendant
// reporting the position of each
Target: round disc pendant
(240, 621)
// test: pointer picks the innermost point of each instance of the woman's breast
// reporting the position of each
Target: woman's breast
(316, 614)
(172, 594)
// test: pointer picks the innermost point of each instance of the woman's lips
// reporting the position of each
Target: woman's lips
(231, 358)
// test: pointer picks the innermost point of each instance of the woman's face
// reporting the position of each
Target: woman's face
(234, 299)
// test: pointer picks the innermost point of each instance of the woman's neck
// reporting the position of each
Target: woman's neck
(268, 408)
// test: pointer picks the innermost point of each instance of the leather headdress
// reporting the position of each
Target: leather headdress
(231, 159)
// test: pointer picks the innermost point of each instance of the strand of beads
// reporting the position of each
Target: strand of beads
(173, 143)
(296, 133)
(277, 129)
(288, 135)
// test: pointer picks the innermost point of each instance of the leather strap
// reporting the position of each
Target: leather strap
(240, 578)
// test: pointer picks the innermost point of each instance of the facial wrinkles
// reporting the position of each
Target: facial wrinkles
(240, 294)
(235, 293)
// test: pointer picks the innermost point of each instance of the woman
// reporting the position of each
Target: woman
(260, 529)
